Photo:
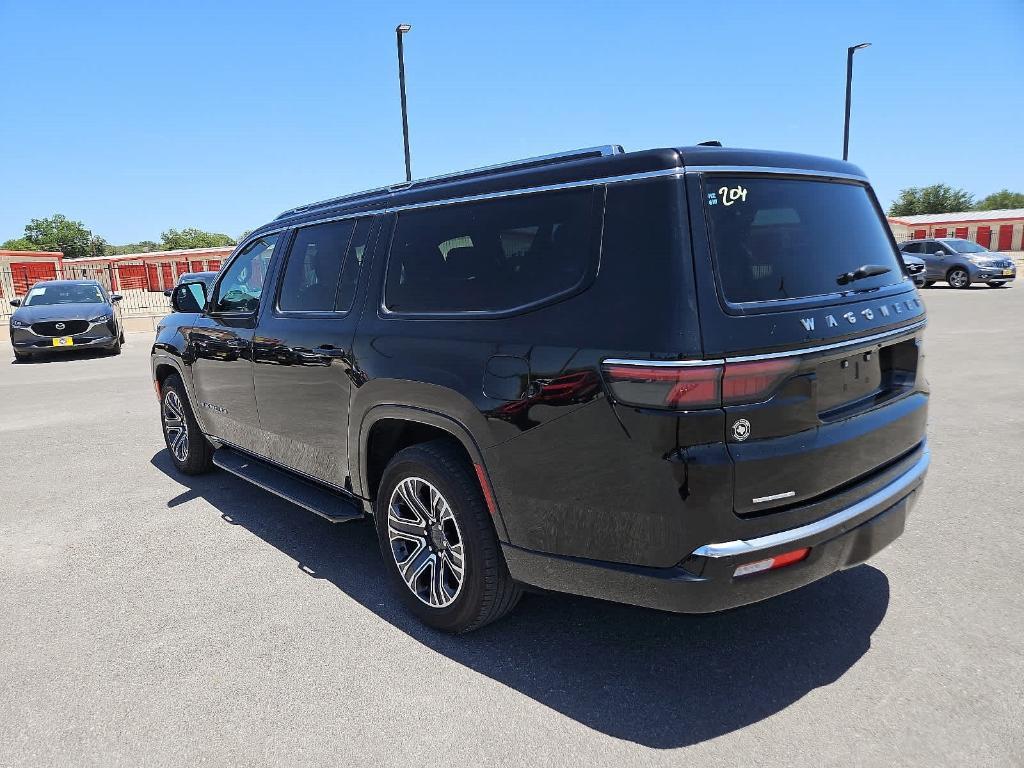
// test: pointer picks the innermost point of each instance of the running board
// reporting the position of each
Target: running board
(333, 506)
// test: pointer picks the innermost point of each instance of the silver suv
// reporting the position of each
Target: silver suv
(961, 262)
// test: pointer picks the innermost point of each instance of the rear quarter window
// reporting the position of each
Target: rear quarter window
(494, 255)
(775, 238)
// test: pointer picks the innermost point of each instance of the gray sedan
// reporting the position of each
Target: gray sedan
(961, 262)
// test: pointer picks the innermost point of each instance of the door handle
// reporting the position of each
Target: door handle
(329, 350)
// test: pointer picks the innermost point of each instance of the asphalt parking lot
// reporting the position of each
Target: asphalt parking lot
(147, 618)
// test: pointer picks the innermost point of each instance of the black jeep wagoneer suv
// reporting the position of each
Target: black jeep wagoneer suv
(681, 378)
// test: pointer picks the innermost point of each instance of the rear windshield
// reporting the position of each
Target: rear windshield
(787, 238)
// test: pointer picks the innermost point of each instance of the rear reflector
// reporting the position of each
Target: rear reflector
(686, 386)
(779, 561)
(485, 487)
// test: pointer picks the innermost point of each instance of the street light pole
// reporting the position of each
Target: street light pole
(849, 91)
(400, 30)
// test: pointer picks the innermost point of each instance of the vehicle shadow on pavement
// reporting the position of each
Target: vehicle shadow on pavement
(657, 679)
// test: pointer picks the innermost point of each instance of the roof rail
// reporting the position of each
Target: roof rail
(529, 162)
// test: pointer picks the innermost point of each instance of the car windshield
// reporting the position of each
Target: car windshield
(776, 238)
(64, 294)
(965, 246)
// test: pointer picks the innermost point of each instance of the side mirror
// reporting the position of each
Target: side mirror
(15, 302)
(168, 293)
(941, 254)
(189, 297)
(116, 297)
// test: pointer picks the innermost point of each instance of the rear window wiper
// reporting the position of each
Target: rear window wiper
(865, 270)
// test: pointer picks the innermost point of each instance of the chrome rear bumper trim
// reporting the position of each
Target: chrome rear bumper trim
(890, 492)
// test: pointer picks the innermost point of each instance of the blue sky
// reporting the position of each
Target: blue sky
(138, 116)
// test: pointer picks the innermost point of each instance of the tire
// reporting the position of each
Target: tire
(195, 455)
(928, 283)
(120, 338)
(23, 357)
(116, 348)
(430, 512)
(997, 284)
(958, 277)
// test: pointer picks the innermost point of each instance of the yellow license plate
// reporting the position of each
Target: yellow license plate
(63, 341)
(1007, 271)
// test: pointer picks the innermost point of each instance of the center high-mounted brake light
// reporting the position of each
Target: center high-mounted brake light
(689, 386)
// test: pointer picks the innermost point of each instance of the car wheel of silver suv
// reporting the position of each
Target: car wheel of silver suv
(958, 278)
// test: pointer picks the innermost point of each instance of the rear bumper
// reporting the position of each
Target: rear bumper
(704, 582)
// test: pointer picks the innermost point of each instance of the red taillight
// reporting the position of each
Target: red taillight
(689, 386)
(771, 563)
(754, 380)
(671, 386)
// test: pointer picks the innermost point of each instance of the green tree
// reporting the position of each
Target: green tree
(938, 198)
(98, 246)
(58, 233)
(144, 246)
(20, 244)
(1004, 198)
(192, 238)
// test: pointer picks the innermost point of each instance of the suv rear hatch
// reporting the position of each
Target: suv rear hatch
(803, 293)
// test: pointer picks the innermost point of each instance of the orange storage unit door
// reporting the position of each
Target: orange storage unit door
(1005, 236)
(984, 236)
(153, 277)
(168, 278)
(196, 266)
(131, 276)
(940, 232)
(25, 273)
(920, 234)
(961, 232)
(213, 264)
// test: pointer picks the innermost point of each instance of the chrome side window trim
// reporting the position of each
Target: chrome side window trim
(756, 169)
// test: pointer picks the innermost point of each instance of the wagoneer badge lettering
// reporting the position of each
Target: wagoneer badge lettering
(867, 314)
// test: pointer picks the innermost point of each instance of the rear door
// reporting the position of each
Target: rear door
(934, 255)
(302, 350)
(803, 296)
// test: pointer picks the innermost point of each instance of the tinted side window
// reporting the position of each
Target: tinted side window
(353, 266)
(311, 275)
(910, 247)
(492, 255)
(242, 285)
